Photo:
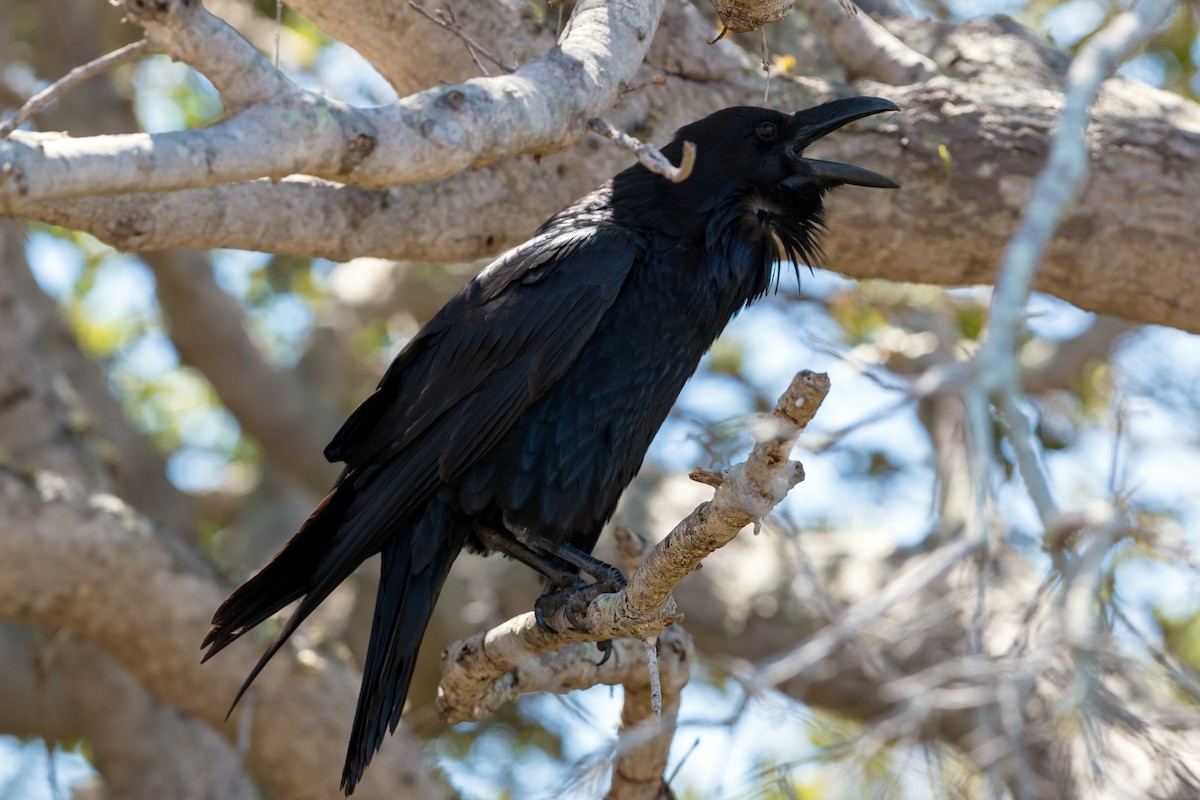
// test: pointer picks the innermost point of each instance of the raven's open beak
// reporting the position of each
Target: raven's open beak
(813, 123)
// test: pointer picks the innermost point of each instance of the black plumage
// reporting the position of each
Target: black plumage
(524, 408)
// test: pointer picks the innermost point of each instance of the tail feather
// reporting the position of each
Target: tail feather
(318, 558)
(409, 585)
(286, 578)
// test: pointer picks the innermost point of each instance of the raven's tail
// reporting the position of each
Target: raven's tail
(303, 568)
(413, 570)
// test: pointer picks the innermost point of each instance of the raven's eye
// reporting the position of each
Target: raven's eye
(766, 131)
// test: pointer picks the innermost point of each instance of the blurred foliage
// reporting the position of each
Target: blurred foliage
(1181, 637)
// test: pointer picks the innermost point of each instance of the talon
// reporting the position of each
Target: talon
(539, 616)
(573, 618)
(605, 647)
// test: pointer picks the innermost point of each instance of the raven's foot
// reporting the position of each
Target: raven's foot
(553, 600)
(572, 603)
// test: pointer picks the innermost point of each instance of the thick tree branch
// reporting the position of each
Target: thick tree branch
(866, 48)
(948, 225)
(542, 107)
(87, 563)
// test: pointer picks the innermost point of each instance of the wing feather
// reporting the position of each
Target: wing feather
(492, 351)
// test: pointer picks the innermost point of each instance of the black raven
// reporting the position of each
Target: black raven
(513, 421)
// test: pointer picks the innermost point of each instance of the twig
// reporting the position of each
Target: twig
(444, 18)
(816, 648)
(650, 157)
(1058, 186)
(656, 697)
(708, 477)
(278, 30)
(39, 102)
(1059, 183)
(1020, 434)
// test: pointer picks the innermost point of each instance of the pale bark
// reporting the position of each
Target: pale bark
(542, 107)
(80, 559)
(59, 686)
(89, 564)
(965, 149)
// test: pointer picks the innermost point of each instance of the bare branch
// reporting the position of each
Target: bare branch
(540, 108)
(644, 739)
(649, 156)
(818, 647)
(40, 101)
(1058, 186)
(474, 667)
(1060, 182)
(866, 48)
(187, 31)
(445, 19)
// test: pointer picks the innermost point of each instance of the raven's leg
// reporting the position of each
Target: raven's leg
(573, 601)
(604, 573)
(558, 575)
(564, 580)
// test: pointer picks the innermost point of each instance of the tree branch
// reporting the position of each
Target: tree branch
(209, 330)
(542, 107)
(1061, 181)
(949, 225)
(61, 687)
(187, 31)
(1058, 185)
(478, 673)
(412, 56)
(89, 564)
(78, 75)
(866, 48)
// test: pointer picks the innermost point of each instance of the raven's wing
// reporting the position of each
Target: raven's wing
(492, 351)
(449, 396)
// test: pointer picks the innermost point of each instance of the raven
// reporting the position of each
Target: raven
(515, 418)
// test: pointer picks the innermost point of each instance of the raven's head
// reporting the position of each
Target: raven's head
(751, 181)
(751, 167)
(748, 148)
